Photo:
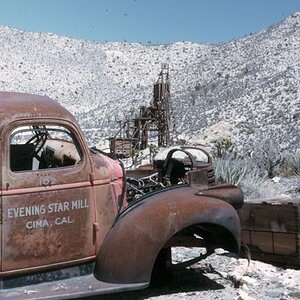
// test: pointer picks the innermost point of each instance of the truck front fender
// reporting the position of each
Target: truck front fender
(130, 248)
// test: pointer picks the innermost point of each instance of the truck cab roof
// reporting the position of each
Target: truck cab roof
(16, 106)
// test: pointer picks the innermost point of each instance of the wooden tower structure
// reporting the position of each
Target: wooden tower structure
(161, 105)
(154, 120)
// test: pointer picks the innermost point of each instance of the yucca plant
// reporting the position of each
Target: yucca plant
(291, 165)
(247, 175)
(234, 170)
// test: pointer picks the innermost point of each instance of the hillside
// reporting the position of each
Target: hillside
(247, 89)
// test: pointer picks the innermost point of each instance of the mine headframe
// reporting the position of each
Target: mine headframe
(154, 120)
(133, 134)
(161, 107)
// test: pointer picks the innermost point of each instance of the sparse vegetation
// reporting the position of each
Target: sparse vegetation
(267, 156)
(235, 171)
(260, 94)
(254, 173)
(247, 175)
(153, 150)
(291, 164)
(223, 147)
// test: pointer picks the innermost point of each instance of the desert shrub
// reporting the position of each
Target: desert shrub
(223, 147)
(260, 188)
(245, 174)
(153, 150)
(267, 156)
(233, 171)
(291, 164)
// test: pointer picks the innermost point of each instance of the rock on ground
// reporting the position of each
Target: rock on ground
(222, 276)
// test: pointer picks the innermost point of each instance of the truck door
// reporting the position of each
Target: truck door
(47, 199)
(1, 217)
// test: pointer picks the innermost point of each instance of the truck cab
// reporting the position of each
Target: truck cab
(54, 190)
(64, 205)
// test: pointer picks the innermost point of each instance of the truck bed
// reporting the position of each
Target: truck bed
(271, 229)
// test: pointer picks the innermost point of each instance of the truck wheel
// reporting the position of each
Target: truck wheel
(162, 269)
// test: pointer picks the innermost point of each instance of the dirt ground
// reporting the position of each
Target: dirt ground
(221, 276)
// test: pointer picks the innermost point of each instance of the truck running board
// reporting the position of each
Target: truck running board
(72, 288)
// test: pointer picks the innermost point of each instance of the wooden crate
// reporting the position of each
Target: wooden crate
(271, 229)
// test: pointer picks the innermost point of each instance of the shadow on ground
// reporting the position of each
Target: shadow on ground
(183, 281)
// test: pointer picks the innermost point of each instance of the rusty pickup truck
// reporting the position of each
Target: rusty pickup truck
(66, 227)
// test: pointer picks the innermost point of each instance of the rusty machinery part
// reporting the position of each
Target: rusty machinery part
(172, 171)
(189, 151)
(137, 187)
(131, 247)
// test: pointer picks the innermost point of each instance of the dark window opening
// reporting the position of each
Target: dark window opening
(43, 147)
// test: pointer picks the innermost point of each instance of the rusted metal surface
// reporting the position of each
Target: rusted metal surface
(271, 229)
(73, 288)
(182, 165)
(131, 247)
(226, 192)
(41, 219)
(61, 203)
(16, 106)
(49, 216)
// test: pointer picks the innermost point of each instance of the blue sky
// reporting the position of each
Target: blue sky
(146, 21)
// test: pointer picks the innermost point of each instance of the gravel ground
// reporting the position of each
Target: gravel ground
(222, 276)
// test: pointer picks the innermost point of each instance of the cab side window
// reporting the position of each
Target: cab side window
(43, 146)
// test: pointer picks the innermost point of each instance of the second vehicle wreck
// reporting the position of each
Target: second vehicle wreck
(64, 205)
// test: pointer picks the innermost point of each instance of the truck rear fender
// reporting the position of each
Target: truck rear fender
(130, 248)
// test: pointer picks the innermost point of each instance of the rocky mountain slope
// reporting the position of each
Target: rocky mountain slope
(246, 90)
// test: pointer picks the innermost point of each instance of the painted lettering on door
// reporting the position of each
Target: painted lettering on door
(45, 211)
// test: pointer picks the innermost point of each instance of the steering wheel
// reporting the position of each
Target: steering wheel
(173, 170)
(38, 140)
